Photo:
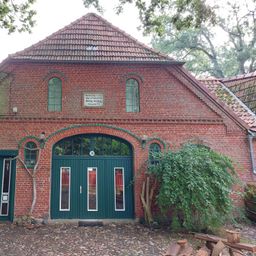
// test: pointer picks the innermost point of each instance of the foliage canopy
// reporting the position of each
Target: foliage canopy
(184, 13)
(196, 182)
(204, 52)
(17, 15)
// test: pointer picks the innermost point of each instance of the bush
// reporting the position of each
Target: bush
(250, 192)
(196, 182)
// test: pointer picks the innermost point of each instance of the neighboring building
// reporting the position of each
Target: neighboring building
(96, 101)
(244, 87)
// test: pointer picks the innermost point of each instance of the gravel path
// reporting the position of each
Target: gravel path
(112, 239)
(109, 240)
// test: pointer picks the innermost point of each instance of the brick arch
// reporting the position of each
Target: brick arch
(139, 154)
(124, 134)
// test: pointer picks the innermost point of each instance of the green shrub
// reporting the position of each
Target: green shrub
(250, 192)
(196, 182)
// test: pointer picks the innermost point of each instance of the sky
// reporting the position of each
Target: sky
(53, 15)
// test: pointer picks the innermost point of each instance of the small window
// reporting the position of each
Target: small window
(65, 177)
(92, 190)
(154, 148)
(132, 96)
(54, 94)
(119, 189)
(30, 154)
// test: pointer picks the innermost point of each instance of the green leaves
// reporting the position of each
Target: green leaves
(17, 16)
(196, 182)
(184, 13)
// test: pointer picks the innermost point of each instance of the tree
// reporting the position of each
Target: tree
(17, 15)
(202, 48)
(195, 182)
(183, 13)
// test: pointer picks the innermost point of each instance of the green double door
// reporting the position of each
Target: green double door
(92, 187)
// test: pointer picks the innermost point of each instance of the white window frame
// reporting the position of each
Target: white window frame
(6, 193)
(69, 185)
(88, 205)
(119, 210)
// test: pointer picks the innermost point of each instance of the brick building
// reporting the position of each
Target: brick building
(244, 87)
(96, 102)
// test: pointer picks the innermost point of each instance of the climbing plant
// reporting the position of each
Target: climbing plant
(195, 182)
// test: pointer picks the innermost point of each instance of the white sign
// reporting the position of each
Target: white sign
(93, 100)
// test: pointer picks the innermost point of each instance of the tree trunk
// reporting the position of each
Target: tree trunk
(34, 195)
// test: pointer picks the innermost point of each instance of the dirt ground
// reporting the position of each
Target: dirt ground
(108, 240)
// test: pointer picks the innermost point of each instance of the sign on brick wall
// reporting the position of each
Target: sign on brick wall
(93, 100)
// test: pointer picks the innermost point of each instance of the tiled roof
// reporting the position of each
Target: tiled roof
(244, 87)
(225, 95)
(91, 39)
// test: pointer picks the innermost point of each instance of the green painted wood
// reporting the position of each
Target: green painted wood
(8, 153)
(105, 174)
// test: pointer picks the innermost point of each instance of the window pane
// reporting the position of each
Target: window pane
(125, 150)
(65, 188)
(132, 96)
(154, 148)
(119, 189)
(85, 146)
(92, 203)
(116, 147)
(76, 146)
(102, 145)
(67, 146)
(7, 176)
(30, 154)
(54, 94)
(4, 210)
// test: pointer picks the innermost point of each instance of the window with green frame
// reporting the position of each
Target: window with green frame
(154, 148)
(30, 154)
(54, 94)
(132, 96)
(100, 144)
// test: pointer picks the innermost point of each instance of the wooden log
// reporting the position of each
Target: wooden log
(181, 248)
(210, 245)
(186, 251)
(218, 248)
(204, 251)
(172, 250)
(215, 239)
(233, 236)
(234, 252)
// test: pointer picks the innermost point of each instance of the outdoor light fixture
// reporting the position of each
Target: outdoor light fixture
(42, 139)
(144, 140)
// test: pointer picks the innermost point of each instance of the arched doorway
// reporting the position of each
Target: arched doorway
(92, 178)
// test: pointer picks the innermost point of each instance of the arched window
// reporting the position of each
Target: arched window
(30, 153)
(88, 144)
(132, 96)
(54, 94)
(153, 149)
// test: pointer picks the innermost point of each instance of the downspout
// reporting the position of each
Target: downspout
(251, 135)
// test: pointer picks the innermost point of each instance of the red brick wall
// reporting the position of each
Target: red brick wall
(169, 111)
(162, 96)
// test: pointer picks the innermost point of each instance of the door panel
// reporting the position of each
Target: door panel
(79, 187)
(7, 182)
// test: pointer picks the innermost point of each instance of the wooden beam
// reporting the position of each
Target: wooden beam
(215, 239)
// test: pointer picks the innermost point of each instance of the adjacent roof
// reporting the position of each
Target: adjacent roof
(244, 87)
(91, 39)
(225, 95)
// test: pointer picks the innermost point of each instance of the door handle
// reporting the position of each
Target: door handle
(81, 189)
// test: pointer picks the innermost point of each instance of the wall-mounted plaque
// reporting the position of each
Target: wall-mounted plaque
(93, 100)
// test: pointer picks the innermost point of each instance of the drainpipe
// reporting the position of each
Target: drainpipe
(251, 135)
